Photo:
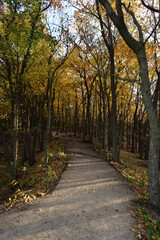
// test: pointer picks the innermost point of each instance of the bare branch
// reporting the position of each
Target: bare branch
(152, 31)
(135, 22)
(150, 7)
(48, 6)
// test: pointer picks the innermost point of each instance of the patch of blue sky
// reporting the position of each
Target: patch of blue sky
(63, 17)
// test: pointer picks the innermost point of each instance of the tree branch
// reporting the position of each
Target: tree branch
(135, 22)
(118, 21)
(152, 31)
(48, 6)
(150, 7)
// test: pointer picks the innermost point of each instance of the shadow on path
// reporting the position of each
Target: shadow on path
(92, 201)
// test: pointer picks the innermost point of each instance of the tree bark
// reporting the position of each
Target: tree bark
(114, 109)
(96, 109)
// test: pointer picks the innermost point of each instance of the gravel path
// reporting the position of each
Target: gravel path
(91, 202)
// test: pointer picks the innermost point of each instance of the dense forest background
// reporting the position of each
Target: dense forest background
(91, 68)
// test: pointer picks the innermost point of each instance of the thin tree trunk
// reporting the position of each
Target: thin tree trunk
(100, 119)
(134, 130)
(15, 140)
(96, 130)
(105, 129)
(58, 115)
(75, 113)
(114, 110)
(48, 126)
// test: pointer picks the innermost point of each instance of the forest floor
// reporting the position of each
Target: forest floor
(92, 201)
(135, 170)
(35, 181)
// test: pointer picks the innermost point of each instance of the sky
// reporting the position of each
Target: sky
(55, 18)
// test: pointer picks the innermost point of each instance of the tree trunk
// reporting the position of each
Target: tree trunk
(100, 119)
(48, 126)
(83, 114)
(88, 117)
(134, 130)
(154, 190)
(76, 114)
(96, 130)
(114, 110)
(105, 129)
(15, 140)
(35, 136)
(58, 115)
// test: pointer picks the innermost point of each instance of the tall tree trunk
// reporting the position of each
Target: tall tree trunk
(15, 140)
(88, 117)
(92, 121)
(100, 118)
(134, 130)
(96, 130)
(114, 109)
(76, 114)
(105, 129)
(109, 124)
(83, 114)
(154, 190)
(35, 135)
(141, 138)
(62, 120)
(58, 115)
(48, 126)
(69, 114)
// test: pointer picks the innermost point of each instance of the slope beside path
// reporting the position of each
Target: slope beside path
(91, 202)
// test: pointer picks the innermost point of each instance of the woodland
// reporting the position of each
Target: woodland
(90, 68)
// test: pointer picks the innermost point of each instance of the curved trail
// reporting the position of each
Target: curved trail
(91, 202)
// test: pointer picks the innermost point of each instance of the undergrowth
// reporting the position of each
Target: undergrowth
(136, 172)
(32, 182)
(148, 227)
